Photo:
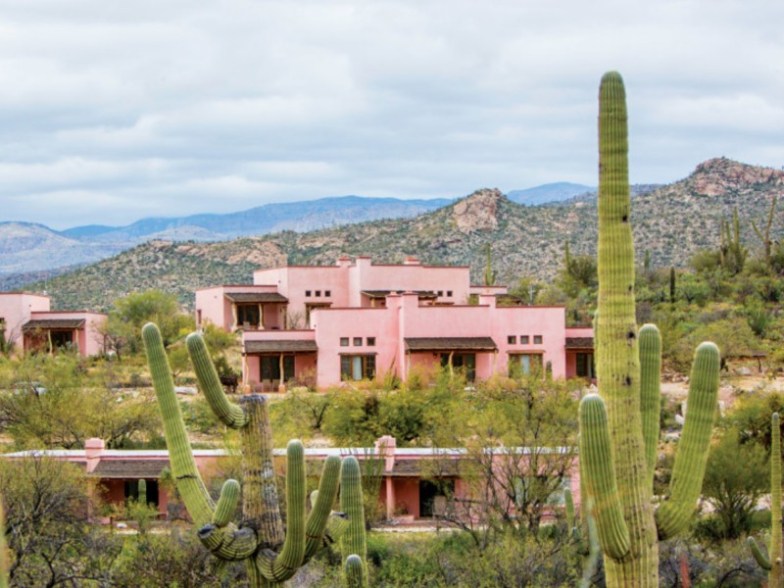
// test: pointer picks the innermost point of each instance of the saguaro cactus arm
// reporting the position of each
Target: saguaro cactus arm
(650, 393)
(183, 466)
(773, 561)
(673, 516)
(599, 471)
(230, 414)
(354, 570)
(354, 540)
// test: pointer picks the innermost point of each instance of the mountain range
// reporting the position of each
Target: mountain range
(671, 223)
(27, 248)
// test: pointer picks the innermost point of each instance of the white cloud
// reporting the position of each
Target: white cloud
(180, 107)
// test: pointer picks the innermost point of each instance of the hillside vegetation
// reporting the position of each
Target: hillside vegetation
(671, 223)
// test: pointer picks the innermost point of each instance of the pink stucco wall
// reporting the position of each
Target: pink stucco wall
(405, 318)
(89, 339)
(212, 306)
(346, 280)
(15, 309)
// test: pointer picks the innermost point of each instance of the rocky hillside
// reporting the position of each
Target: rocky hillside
(671, 222)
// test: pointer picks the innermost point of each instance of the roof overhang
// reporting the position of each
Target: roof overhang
(281, 346)
(450, 344)
(255, 297)
(52, 324)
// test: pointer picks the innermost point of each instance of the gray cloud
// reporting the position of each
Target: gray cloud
(113, 111)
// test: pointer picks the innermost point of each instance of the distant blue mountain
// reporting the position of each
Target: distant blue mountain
(296, 216)
(548, 193)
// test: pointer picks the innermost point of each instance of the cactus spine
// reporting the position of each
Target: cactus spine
(271, 555)
(354, 542)
(773, 562)
(619, 429)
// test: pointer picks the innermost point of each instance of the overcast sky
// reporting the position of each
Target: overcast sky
(112, 111)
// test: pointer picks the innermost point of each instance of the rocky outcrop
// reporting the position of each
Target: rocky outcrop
(478, 212)
(720, 176)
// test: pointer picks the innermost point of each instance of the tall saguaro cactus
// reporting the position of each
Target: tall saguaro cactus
(773, 561)
(619, 426)
(354, 541)
(271, 555)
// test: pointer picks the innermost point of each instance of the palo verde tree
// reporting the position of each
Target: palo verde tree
(271, 554)
(619, 427)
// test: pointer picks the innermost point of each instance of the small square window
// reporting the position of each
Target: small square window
(344, 341)
(358, 341)
(371, 341)
(327, 293)
(537, 339)
(307, 293)
(511, 339)
(449, 293)
(318, 292)
(440, 293)
(525, 339)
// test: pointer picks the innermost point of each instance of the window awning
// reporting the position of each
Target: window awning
(49, 324)
(255, 297)
(450, 344)
(579, 342)
(281, 346)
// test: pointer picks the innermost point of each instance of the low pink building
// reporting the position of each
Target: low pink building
(16, 308)
(415, 483)
(321, 325)
(28, 325)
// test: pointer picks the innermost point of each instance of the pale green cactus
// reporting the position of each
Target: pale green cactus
(354, 541)
(619, 428)
(271, 555)
(772, 562)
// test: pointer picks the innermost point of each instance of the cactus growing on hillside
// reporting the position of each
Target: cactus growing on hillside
(773, 561)
(619, 429)
(271, 556)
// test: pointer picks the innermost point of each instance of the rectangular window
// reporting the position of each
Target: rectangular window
(270, 367)
(537, 339)
(465, 362)
(344, 341)
(357, 367)
(449, 293)
(525, 364)
(371, 341)
(248, 316)
(585, 366)
(525, 339)
(307, 293)
(318, 293)
(327, 293)
(440, 293)
(511, 339)
(358, 341)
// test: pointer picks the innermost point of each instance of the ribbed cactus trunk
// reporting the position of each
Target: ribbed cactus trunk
(618, 366)
(775, 575)
(354, 542)
(772, 562)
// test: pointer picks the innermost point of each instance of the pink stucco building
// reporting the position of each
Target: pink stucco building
(28, 325)
(415, 483)
(322, 325)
